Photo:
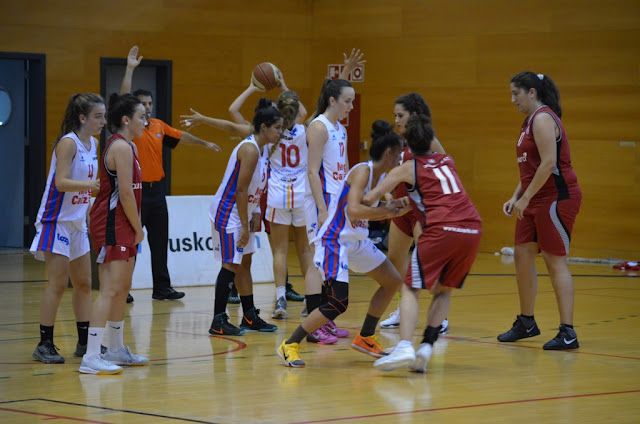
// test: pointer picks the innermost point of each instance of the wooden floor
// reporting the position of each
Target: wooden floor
(472, 378)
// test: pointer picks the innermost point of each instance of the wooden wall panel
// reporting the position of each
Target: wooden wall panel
(460, 55)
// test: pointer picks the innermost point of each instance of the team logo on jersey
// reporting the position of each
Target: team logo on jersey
(523, 158)
(431, 161)
(159, 135)
(63, 239)
(81, 158)
(344, 266)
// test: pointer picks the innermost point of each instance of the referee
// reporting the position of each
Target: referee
(154, 213)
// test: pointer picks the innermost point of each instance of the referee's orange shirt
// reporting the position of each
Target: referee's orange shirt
(150, 145)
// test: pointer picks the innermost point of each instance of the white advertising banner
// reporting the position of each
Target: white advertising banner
(190, 257)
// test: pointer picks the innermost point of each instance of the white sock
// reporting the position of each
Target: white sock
(94, 340)
(114, 335)
(404, 343)
(281, 292)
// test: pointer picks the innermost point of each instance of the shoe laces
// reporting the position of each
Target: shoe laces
(256, 317)
(394, 314)
(376, 341)
(331, 326)
(51, 348)
(321, 333)
(293, 351)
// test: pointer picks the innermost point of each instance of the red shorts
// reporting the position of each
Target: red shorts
(406, 222)
(549, 223)
(444, 253)
(115, 253)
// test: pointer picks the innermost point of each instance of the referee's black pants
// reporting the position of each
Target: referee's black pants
(155, 217)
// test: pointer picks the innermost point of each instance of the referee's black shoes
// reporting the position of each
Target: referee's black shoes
(167, 294)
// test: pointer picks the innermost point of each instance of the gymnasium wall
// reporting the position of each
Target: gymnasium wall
(459, 54)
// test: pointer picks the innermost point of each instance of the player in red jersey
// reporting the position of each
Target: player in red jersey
(115, 230)
(447, 247)
(403, 230)
(546, 203)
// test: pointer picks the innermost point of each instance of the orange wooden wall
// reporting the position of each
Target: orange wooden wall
(458, 54)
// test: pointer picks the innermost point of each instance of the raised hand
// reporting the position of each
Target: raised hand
(132, 59)
(352, 62)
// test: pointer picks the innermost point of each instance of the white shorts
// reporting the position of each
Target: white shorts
(291, 216)
(361, 256)
(311, 216)
(224, 246)
(66, 238)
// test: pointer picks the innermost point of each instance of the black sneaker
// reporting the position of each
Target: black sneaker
(292, 295)
(80, 350)
(522, 329)
(565, 340)
(167, 294)
(221, 327)
(47, 352)
(234, 297)
(129, 298)
(252, 321)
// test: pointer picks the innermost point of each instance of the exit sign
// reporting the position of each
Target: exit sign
(357, 75)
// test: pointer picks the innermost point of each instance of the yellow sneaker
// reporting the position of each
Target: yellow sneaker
(369, 345)
(290, 355)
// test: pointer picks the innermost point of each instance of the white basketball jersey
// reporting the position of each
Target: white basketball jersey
(224, 210)
(333, 168)
(70, 205)
(338, 227)
(288, 170)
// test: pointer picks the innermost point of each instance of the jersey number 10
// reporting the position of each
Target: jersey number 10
(287, 156)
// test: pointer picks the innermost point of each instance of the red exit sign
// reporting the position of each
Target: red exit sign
(357, 75)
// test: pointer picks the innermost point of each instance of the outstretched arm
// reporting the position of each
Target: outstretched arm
(399, 174)
(358, 180)
(132, 63)
(190, 121)
(193, 140)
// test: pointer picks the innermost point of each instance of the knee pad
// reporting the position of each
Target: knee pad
(337, 299)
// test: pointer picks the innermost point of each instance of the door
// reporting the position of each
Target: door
(12, 150)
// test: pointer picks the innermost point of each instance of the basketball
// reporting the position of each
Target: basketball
(266, 76)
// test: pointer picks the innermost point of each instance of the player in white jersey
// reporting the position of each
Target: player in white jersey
(61, 226)
(235, 215)
(245, 128)
(326, 168)
(342, 244)
(285, 196)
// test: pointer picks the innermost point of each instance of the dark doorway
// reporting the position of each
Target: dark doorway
(23, 145)
(152, 75)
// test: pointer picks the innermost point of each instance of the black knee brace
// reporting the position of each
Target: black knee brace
(337, 299)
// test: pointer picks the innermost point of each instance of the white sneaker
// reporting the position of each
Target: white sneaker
(98, 365)
(280, 310)
(125, 357)
(400, 356)
(445, 327)
(422, 357)
(393, 321)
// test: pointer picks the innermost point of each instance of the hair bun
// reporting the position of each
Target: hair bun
(380, 128)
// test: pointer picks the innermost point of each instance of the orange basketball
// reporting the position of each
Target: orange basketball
(266, 76)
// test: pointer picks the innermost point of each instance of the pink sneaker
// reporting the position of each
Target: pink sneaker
(332, 328)
(321, 336)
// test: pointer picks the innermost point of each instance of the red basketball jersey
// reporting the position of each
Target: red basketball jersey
(109, 225)
(563, 180)
(439, 194)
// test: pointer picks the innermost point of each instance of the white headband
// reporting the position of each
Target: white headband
(540, 76)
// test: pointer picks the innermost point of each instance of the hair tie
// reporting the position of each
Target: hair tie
(540, 76)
